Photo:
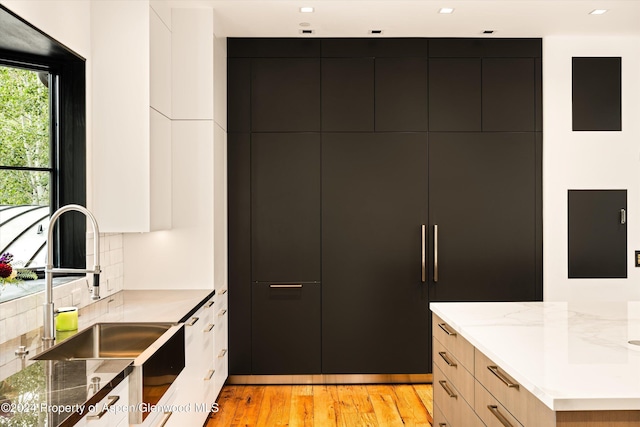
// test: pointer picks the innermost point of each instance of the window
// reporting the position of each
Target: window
(53, 172)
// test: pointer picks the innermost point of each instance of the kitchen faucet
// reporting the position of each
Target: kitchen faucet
(49, 333)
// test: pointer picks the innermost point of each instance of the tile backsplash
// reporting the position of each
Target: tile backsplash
(25, 314)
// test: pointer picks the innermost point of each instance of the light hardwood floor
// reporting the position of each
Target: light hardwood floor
(324, 405)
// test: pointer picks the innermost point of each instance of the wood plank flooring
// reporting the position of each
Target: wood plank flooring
(377, 405)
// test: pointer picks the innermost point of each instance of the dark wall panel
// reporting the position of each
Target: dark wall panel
(597, 94)
(239, 105)
(369, 47)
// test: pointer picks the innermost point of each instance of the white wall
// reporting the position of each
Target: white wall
(588, 160)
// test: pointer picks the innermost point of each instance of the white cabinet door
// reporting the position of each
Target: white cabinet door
(107, 412)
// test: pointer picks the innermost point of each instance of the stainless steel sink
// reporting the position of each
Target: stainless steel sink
(107, 341)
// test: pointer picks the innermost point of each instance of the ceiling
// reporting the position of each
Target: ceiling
(420, 18)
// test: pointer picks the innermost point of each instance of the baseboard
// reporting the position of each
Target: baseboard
(331, 379)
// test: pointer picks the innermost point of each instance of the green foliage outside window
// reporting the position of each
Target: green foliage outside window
(24, 137)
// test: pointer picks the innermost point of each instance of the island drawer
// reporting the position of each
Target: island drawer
(454, 370)
(489, 409)
(452, 406)
(521, 403)
(439, 419)
(455, 344)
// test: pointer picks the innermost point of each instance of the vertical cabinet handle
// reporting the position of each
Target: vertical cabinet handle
(496, 413)
(623, 216)
(209, 374)
(424, 252)
(435, 253)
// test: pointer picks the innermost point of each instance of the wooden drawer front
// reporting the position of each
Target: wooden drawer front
(453, 369)
(438, 418)
(454, 343)
(492, 413)
(453, 407)
(521, 403)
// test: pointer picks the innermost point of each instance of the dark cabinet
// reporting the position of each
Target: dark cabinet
(401, 94)
(481, 199)
(508, 94)
(597, 93)
(374, 304)
(285, 207)
(597, 233)
(286, 328)
(285, 94)
(347, 94)
(455, 102)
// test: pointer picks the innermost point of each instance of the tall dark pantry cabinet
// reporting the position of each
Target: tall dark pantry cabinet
(368, 177)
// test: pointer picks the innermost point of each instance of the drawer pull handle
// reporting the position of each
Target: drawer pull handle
(496, 413)
(209, 327)
(222, 353)
(209, 304)
(442, 425)
(209, 374)
(193, 321)
(446, 359)
(446, 388)
(111, 401)
(224, 291)
(167, 415)
(445, 328)
(284, 286)
(506, 380)
(222, 313)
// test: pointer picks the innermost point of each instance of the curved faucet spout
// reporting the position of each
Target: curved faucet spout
(49, 311)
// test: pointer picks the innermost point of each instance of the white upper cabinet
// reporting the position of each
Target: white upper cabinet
(130, 98)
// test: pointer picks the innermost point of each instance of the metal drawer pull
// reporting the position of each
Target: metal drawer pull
(446, 388)
(193, 321)
(445, 328)
(111, 401)
(623, 216)
(424, 252)
(446, 359)
(209, 327)
(442, 425)
(435, 253)
(506, 380)
(209, 374)
(494, 410)
(222, 353)
(224, 291)
(283, 286)
(222, 313)
(209, 304)
(167, 415)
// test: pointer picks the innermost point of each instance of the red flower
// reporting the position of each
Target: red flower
(5, 270)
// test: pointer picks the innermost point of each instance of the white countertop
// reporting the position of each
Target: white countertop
(572, 356)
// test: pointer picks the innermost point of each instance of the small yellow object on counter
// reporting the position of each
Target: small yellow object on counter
(67, 319)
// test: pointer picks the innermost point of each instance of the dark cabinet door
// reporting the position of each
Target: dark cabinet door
(401, 94)
(375, 316)
(347, 94)
(455, 94)
(285, 94)
(482, 190)
(285, 207)
(286, 328)
(597, 234)
(508, 94)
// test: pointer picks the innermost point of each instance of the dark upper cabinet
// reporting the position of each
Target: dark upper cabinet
(597, 234)
(508, 94)
(285, 207)
(347, 94)
(455, 102)
(401, 94)
(285, 95)
(597, 94)
(286, 325)
(239, 105)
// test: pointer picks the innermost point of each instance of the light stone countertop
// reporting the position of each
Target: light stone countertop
(572, 356)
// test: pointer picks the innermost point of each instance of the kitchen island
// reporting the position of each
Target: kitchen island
(536, 364)
(61, 393)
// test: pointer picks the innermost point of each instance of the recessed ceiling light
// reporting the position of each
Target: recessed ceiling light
(446, 10)
(598, 12)
(306, 9)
